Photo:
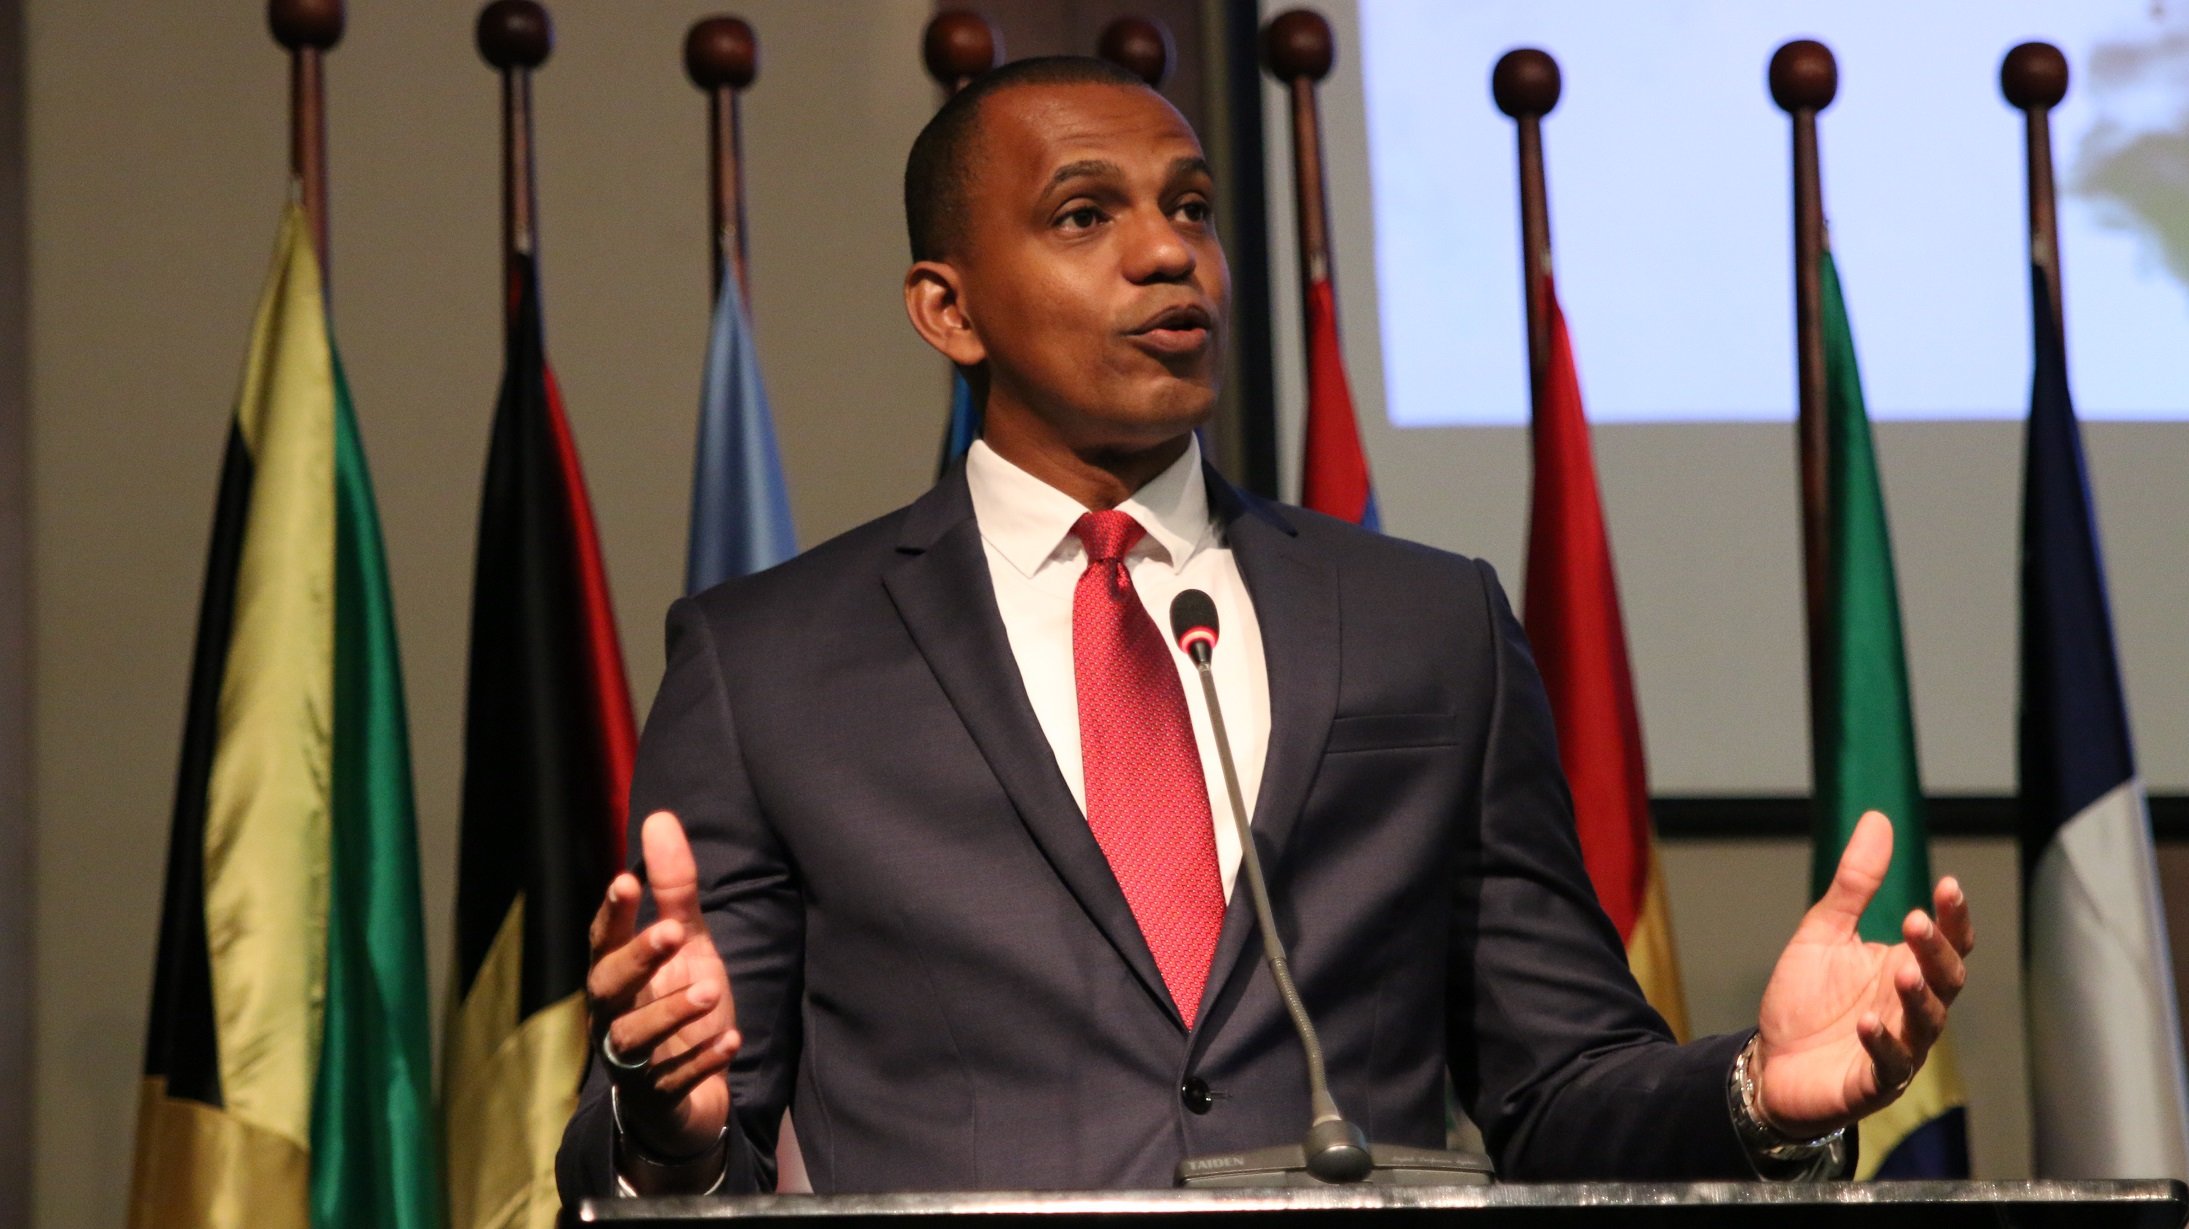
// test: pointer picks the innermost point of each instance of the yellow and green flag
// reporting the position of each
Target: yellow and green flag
(1864, 744)
(287, 1077)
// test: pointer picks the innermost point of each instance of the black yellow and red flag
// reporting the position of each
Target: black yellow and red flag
(548, 741)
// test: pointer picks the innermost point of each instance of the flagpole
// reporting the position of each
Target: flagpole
(1299, 49)
(308, 28)
(722, 57)
(1526, 85)
(959, 45)
(1804, 79)
(2034, 79)
(1141, 46)
(516, 36)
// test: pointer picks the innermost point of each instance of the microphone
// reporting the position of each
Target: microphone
(1335, 1150)
(1193, 625)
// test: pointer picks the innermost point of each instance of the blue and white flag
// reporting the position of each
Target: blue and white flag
(2106, 1071)
(964, 425)
(740, 509)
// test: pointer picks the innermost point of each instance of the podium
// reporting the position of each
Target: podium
(1612, 1205)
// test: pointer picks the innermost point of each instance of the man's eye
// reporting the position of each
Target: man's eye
(1195, 211)
(1082, 218)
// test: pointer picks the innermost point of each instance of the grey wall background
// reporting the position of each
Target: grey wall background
(155, 170)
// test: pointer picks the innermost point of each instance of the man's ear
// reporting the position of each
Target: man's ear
(931, 299)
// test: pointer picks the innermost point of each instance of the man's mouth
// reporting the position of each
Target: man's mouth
(1175, 331)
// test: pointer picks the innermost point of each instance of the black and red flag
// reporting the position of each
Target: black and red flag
(548, 741)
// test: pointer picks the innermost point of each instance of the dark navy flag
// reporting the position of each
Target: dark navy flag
(964, 425)
(740, 508)
(2106, 1070)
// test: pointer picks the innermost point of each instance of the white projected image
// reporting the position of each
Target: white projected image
(1670, 204)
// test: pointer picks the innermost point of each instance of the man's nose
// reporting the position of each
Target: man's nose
(1155, 250)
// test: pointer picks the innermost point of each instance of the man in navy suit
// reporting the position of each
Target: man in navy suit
(901, 793)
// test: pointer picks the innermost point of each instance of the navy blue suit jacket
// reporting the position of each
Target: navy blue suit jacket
(933, 964)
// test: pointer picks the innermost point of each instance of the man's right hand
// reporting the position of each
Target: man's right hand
(663, 998)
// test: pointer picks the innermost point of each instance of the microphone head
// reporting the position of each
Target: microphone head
(1193, 625)
(1337, 1152)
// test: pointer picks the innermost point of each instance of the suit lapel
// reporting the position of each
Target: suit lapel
(942, 590)
(1296, 604)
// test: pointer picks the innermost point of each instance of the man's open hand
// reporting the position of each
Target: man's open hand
(1846, 1024)
(663, 1000)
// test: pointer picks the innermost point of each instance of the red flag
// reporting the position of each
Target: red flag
(610, 698)
(1573, 622)
(1333, 470)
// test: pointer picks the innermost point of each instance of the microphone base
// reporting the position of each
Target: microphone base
(1286, 1165)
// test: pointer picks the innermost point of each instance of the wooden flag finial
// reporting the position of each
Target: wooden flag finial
(960, 45)
(515, 34)
(721, 53)
(298, 24)
(1298, 44)
(1525, 82)
(1141, 46)
(2034, 75)
(1804, 76)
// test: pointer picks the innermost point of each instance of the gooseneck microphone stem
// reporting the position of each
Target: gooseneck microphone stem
(1334, 1150)
(1324, 1106)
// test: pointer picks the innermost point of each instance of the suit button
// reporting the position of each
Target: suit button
(1196, 1095)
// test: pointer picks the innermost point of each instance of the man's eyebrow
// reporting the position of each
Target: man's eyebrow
(1092, 168)
(1102, 168)
(1191, 164)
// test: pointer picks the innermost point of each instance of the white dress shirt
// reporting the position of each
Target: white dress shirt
(1035, 562)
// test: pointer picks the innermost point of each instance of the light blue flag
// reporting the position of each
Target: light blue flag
(964, 425)
(740, 508)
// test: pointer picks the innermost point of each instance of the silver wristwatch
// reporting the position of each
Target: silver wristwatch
(1775, 1153)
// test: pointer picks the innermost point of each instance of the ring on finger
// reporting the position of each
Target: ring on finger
(618, 1062)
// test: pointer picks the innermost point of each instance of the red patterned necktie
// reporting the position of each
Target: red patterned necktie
(1147, 800)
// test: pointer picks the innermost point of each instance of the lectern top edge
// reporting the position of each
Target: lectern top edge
(2132, 1202)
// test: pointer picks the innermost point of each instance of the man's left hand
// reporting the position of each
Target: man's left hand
(1846, 1024)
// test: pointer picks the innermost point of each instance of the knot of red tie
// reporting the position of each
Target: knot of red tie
(1107, 534)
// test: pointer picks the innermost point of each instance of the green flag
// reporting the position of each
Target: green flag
(1864, 740)
(373, 1158)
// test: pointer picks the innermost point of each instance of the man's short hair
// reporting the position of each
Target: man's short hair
(938, 175)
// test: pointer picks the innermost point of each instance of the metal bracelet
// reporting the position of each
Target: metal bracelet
(629, 1148)
(1765, 1140)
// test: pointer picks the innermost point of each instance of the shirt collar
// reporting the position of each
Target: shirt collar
(1027, 521)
